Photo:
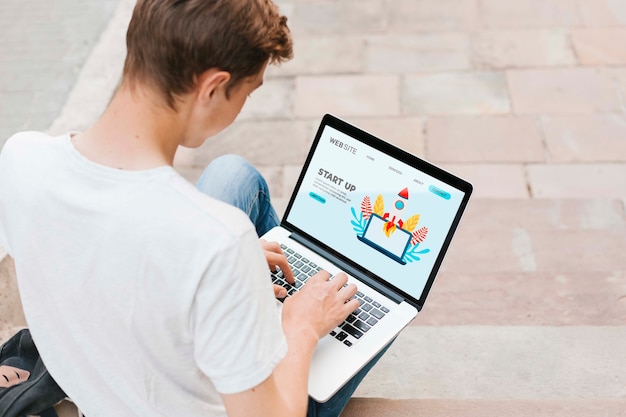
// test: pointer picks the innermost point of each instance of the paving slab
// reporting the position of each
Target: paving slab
(505, 181)
(455, 93)
(56, 35)
(526, 299)
(585, 138)
(567, 407)
(522, 48)
(275, 101)
(405, 132)
(578, 180)
(328, 54)
(620, 77)
(484, 139)
(501, 362)
(402, 53)
(600, 46)
(424, 15)
(523, 250)
(544, 214)
(11, 312)
(99, 76)
(603, 12)
(529, 13)
(348, 95)
(563, 91)
(257, 141)
(337, 17)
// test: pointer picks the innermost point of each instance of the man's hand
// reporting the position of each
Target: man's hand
(320, 305)
(276, 258)
(307, 316)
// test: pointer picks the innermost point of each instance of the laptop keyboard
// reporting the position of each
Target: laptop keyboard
(357, 323)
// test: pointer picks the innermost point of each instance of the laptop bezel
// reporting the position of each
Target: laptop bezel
(405, 157)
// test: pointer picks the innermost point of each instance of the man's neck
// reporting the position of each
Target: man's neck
(136, 132)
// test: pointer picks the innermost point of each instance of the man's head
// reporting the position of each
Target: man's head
(171, 43)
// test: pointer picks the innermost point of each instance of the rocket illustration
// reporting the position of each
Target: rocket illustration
(395, 215)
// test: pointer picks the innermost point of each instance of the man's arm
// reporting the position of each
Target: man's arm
(307, 316)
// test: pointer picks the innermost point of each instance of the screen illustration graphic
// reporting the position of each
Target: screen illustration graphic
(390, 230)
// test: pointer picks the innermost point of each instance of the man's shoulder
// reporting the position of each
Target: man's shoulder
(208, 214)
(29, 140)
(30, 137)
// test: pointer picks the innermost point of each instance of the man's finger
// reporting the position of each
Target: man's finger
(347, 292)
(321, 276)
(352, 305)
(339, 280)
(276, 258)
(279, 292)
(279, 260)
(271, 246)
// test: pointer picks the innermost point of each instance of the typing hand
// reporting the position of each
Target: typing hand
(277, 259)
(321, 304)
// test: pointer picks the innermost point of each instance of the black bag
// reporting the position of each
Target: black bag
(39, 393)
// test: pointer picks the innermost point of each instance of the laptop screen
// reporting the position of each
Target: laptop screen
(377, 207)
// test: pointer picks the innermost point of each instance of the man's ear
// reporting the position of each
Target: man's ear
(210, 81)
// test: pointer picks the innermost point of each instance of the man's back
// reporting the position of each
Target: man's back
(137, 271)
(138, 290)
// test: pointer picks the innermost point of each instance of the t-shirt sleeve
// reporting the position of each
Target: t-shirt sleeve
(236, 320)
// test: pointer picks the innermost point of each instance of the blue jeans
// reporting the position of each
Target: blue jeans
(233, 180)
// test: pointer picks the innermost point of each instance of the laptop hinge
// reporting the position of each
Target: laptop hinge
(347, 268)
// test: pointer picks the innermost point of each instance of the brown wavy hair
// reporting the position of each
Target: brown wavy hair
(171, 42)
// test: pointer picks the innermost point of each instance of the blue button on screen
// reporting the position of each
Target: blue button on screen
(439, 192)
(317, 197)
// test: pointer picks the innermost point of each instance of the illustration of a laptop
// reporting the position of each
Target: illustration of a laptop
(382, 216)
(375, 236)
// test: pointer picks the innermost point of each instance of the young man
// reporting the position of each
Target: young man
(144, 295)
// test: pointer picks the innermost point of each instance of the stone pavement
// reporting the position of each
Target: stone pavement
(43, 46)
(523, 98)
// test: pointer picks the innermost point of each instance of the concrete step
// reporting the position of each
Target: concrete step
(526, 299)
(521, 250)
(566, 407)
(534, 235)
(11, 312)
(544, 214)
(501, 363)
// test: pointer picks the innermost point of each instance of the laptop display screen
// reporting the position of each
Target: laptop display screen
(377, 207)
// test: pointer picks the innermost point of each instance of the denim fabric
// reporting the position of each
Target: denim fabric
(233, 180)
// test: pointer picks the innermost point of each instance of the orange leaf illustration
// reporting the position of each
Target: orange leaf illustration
(411, 223)
(379, 205)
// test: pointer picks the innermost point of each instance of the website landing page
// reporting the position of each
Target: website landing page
(382, 214)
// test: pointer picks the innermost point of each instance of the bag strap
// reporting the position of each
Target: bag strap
(40, 392)
(49, 413)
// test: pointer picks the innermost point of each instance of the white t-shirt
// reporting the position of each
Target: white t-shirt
(144, 296)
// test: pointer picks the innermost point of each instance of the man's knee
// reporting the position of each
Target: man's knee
(230, 171)
(233, 166)
(230, 163)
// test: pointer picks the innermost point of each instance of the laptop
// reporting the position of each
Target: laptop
(382, 216)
